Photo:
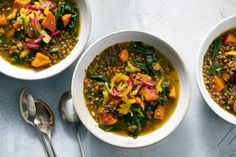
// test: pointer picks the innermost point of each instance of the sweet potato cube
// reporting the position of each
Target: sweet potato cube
(40, 60)
(106, 118)
(159, 113)
(218, 83)
(172, 92)
(3, 20)
(123, 56)
(49, 22)
(18, 4)
(66, 19)
(230, 39)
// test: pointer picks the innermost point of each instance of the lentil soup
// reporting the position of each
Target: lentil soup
(219, 70)
(131, 89)
(38, 34)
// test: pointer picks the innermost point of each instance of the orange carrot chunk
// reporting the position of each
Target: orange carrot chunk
(172, 92)
(66, 19)
(123, 56)
(49, 22)
(40, 60)
(218, 83)
(230, 39)
(3, 20)
(159, 113)
(18, 4)
(106, 118)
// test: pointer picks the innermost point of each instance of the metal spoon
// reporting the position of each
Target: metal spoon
(28, 113)
(69, 115)
(45, 121)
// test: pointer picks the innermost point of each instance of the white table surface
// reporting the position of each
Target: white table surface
(181, 23)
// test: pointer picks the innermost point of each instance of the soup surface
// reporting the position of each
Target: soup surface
(219, 70)
(131, 89)
(37, 34)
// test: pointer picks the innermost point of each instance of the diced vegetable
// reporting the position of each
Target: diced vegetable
(140, 103)
(105, 97)
(24, 53)
(126, 106)
(12, 15)
(172, 92)
(159, 113)
(156, 66)
(49, 22)
(40, 60)
(66, 19)
(46, 38)
(131, 68)
(231, 53)
(10, 33)
(3, 20)
(225, 76)
(148, 95)
(123, 56)
(18, 4)
(230, 39)
(218, 83)
(106, 118)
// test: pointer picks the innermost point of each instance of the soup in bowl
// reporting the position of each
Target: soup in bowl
(36, 37)
(128, 88)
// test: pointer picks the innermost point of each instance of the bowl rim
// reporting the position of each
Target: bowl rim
(188, 99)
(199, 73)
(69, 62)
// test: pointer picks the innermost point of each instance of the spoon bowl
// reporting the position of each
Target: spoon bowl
(67, 110)
(27, 106)
(45, 118)
(28, 113)
(69, 115)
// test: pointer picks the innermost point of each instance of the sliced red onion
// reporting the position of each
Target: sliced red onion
(31, 45)
(130, 81)
(149, 84)
(35, 22)
(32, 7)
(55, 33)
(46, 4)
(116, 92)
(39, 39)
(39, 12)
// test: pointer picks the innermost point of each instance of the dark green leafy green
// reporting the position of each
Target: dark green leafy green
(215, 68)
(99, 78)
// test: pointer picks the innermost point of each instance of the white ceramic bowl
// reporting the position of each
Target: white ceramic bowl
(79, 102)
(216, 31)
(28, 74)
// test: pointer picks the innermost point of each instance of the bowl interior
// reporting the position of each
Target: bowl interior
(216, 31)
(89, 122)
(28, 74)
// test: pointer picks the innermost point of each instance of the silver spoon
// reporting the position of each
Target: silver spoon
(69, 115)
(28, 113)
(45, 121)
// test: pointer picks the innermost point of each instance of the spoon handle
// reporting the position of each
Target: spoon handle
(43, 141)
(50, 144)
(82, 154)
